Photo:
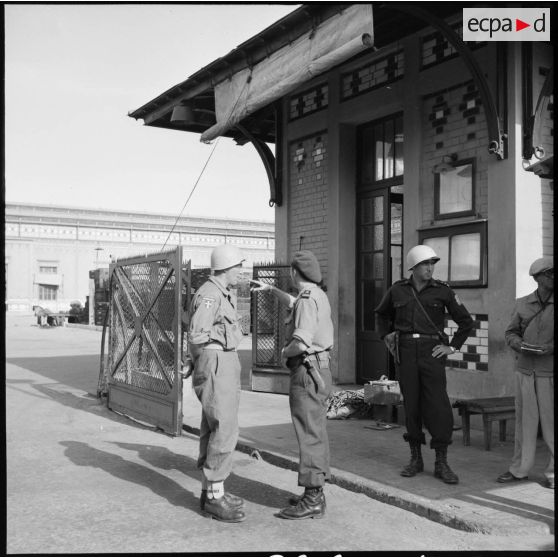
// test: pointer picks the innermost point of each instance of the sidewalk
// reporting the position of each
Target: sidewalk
(368, 461)
(362, 460)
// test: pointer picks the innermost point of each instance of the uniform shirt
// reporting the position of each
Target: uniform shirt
(309, 320)
(214, 316)
(399, 306)
(539, 331)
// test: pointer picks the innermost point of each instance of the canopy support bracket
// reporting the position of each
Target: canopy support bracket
(496, 137)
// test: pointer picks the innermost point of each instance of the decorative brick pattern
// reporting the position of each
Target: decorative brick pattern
(454, 123)
(373, 75)
(435, 48)
(474, 353)
(309, 101)
(309, 197)
(470, 104)
(439, 113)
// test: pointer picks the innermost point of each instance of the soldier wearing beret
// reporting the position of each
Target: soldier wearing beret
(410, 320)
(213, 337)
(309, 338)
(531, 335)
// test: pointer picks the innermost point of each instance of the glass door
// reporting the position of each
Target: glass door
(379, 236)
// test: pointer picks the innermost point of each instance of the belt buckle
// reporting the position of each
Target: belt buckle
(415, 335)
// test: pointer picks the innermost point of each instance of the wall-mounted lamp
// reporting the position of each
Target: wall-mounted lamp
(182, 114)
(446, 165)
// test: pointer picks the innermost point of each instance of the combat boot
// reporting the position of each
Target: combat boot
(442, 469)
(311, 505)
(416, 465)
(231, 498)
(222, 510)
(294, 500)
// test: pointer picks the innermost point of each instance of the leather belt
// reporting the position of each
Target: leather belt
(216, 347)
(316, 358)
(322, 358)
(418, 336)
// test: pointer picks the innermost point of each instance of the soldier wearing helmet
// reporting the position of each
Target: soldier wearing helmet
(531, 335)
(410, 320)
(213, 336)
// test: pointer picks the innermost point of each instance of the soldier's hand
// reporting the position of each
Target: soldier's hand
(440, 351)
(389, 340)
(261, 286)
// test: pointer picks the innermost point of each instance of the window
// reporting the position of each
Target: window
(381, 156)
(48, 269)
(463, 253)
(48, 292)
(454, 190)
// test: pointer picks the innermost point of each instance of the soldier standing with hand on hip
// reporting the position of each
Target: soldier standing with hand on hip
(309, 338)
(410, 320)
(214, 335)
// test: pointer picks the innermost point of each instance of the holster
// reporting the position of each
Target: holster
(306, 361)
(314, 374)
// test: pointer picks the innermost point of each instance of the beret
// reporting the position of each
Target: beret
(305, 262)
(540, 265)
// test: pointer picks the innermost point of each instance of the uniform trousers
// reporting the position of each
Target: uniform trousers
(422, 379)
(308, 403)
(216, 383)
(534, 402)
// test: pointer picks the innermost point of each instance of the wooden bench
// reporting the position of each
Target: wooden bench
(491, 409)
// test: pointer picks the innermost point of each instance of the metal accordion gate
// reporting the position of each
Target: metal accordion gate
(268, 330)
(149, 301)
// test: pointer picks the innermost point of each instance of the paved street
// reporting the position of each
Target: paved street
(82, 479)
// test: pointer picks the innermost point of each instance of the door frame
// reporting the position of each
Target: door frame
(366, 189)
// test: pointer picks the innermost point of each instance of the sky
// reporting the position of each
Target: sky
(72, 75)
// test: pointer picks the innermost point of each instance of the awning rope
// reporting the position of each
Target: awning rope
(248, 80)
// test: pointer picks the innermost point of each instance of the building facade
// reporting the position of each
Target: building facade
(50, 250)
(422, 139)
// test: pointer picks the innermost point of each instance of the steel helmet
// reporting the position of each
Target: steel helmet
(420, 254)
(225, 256)
(540, 265)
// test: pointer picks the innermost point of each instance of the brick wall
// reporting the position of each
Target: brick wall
(309, 196)
(474, 353)
(453, 122)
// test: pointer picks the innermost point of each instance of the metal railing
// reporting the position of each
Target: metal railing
(268, 316)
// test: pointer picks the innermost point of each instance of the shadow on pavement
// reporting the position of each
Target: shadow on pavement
(249, 490)
(84, 455)
(160, 457)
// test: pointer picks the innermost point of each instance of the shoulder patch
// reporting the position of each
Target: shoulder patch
(208, 301)
(305, 294)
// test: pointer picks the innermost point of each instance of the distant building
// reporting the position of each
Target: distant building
(49, 250)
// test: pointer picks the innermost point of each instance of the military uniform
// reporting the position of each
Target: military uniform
(422, 377)
(309, 321)
(214, 335)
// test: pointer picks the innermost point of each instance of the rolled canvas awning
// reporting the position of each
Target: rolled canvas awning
(330, 43)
